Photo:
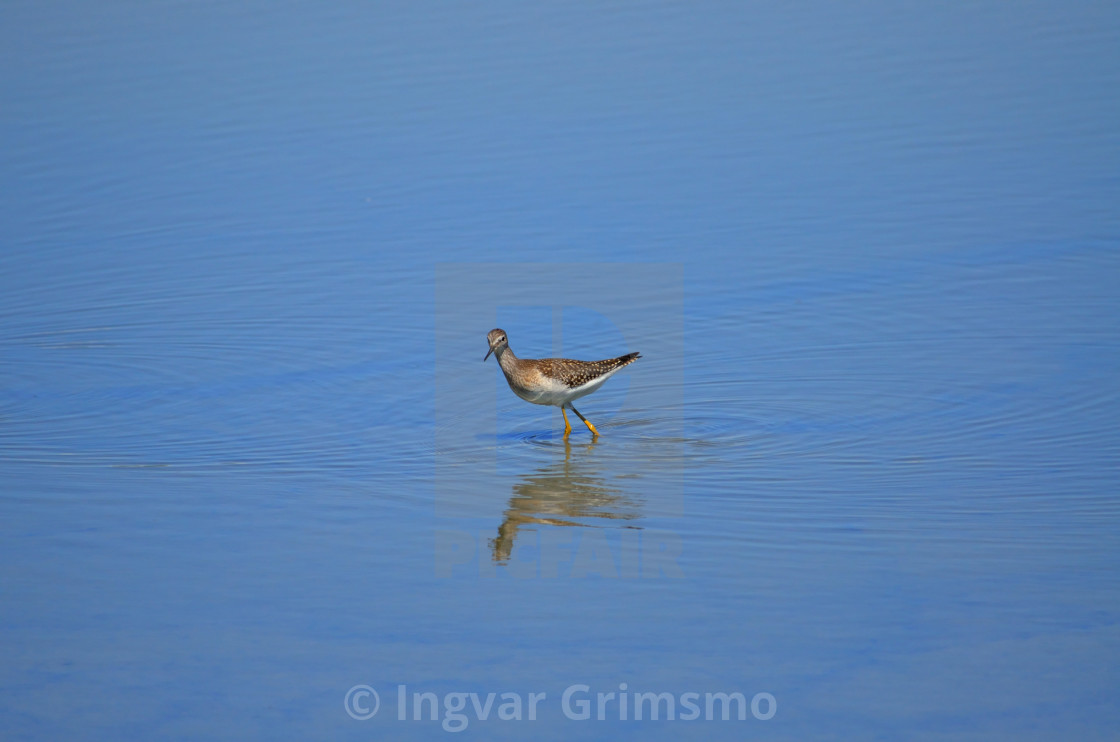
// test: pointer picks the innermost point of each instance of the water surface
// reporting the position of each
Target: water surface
(251, 456)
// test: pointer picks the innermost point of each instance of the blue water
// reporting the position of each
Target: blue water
(864, 474)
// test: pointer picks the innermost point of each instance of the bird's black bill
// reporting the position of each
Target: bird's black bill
(487, 354)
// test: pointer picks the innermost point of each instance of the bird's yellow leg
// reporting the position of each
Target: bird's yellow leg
(567, 425)
(586, 422)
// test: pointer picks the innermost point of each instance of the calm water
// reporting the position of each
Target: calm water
(251, 457)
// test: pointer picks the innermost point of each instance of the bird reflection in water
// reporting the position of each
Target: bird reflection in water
(564, 493)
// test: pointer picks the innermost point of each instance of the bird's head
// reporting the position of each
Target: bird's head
(498, 342)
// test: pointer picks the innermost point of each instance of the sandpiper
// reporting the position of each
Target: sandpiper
(553, 381)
